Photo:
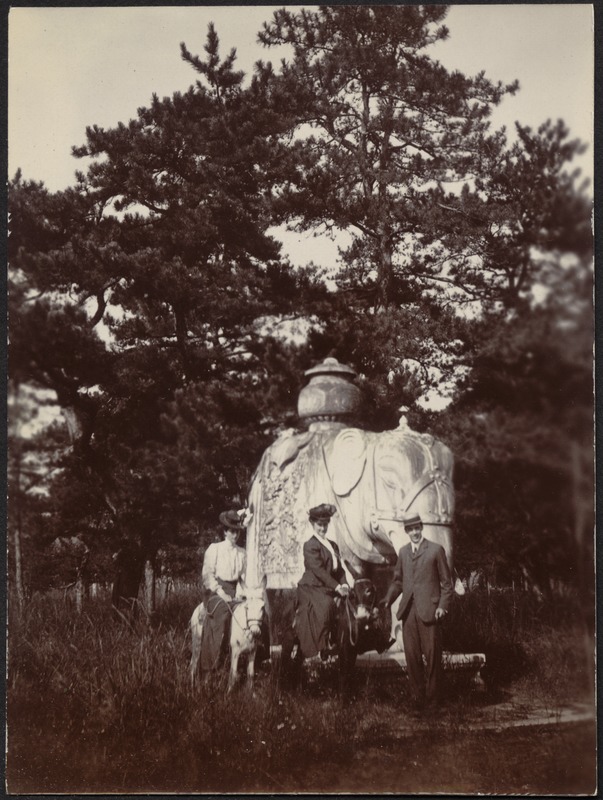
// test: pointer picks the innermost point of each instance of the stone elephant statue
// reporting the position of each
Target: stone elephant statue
(373, 479)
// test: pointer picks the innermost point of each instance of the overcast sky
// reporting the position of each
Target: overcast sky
(73, 67)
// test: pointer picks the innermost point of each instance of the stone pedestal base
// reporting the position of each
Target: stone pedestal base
(470, 662)
(396, 660)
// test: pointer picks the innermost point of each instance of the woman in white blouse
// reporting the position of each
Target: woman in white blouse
(223, 569)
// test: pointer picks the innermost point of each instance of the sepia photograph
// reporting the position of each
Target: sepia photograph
(300, 461)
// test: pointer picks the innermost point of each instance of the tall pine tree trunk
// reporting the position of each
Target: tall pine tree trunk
(385, 267)
(18, 527)
(585, 576)
(19, 585)
(578, 506)
(150, 600)
(79, 595)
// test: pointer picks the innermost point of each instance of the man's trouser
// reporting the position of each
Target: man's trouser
(421, 639)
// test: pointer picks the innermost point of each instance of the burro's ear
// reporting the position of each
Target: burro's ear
(354, 572)
(346, 460)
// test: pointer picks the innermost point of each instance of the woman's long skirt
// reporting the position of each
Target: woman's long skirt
(214, 642)
(216, 628)
(314, 618)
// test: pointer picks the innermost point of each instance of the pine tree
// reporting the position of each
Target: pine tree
(384, 131)
(527, 213)
(143, 297)
(521, 426)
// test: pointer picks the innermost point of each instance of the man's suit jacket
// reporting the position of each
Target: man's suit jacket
(319, 565)
(425, 577)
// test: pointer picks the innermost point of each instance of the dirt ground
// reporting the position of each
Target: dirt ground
(503, 750)
(557, 760)
(507, 743)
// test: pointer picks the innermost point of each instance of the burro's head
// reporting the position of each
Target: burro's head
(256, 602)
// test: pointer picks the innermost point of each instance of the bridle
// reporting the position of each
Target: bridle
(351, 611)
(253, 622)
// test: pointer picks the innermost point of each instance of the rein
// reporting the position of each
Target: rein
(247, 627)
(349, 610)
(231, 606)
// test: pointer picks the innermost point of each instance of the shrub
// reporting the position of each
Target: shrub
(522, 635)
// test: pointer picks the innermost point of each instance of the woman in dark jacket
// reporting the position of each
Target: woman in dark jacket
(322, 581)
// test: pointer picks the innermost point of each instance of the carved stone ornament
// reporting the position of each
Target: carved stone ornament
(330, 395)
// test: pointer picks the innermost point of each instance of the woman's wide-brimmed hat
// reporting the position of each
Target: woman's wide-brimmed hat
(321, 513)
(232, 520)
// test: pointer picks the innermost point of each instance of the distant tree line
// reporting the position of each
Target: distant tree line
(151, 297)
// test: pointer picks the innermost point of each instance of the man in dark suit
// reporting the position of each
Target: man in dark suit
(423, 576)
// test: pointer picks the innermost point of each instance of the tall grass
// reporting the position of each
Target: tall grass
(112, 704)
(101, 705)
(539, 643)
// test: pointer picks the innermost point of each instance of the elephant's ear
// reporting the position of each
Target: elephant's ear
(346, 460)
(286, 448)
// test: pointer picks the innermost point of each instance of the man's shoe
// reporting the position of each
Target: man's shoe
(327, 653)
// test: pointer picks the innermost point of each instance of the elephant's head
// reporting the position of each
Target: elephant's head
(373, 479)
(379, 478)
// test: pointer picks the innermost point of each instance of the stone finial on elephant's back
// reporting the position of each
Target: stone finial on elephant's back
(330, 395)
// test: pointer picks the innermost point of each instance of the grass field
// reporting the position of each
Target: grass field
(96, 705)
